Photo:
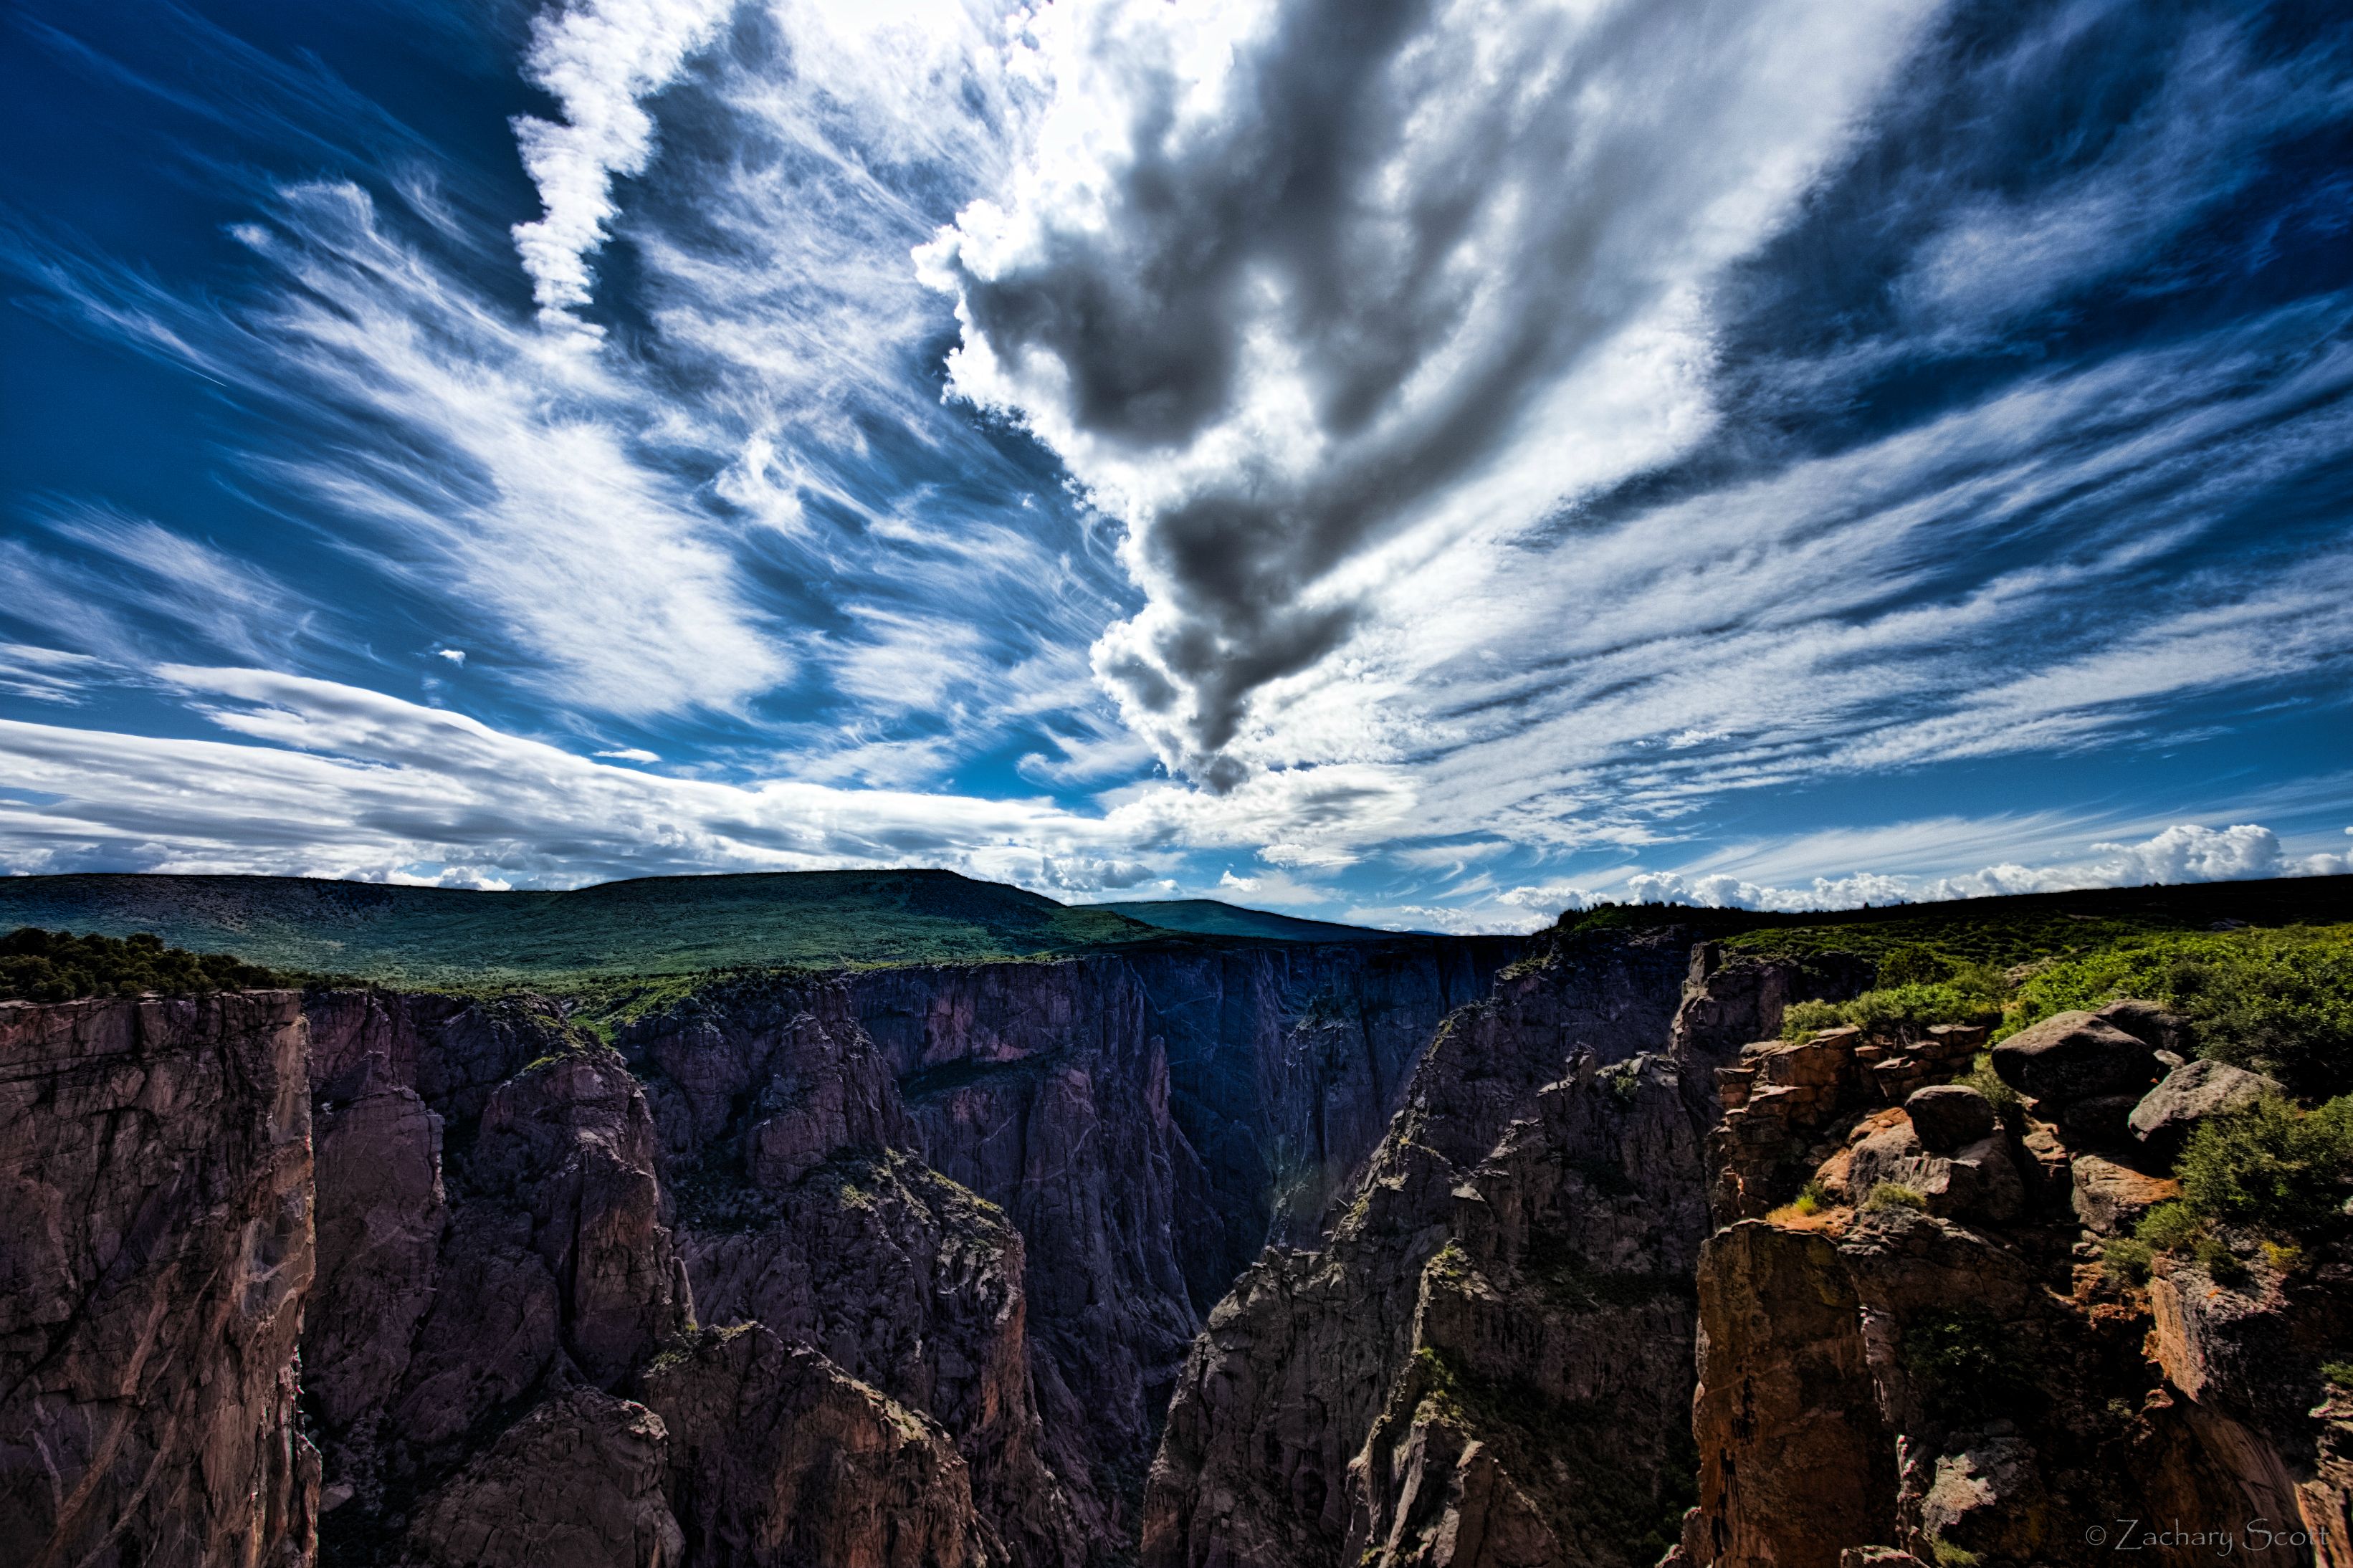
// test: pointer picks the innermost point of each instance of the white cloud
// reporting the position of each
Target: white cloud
(631, 754)
(1242, 286)
(597, 58)
(2184, 852)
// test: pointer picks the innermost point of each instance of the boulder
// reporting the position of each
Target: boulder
(1947, 1115)
(2070, 1056)
(2163, 1118)
(2110, 1198)
(1987, 1501)
(1975, 1183)
(2148, 1023)
(2102, 1121)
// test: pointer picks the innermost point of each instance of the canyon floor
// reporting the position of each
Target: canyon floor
(687, 1231)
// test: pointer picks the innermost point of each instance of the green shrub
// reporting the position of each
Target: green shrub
(1802, 1018)
(1912, 964)
(1901, 1011)
(2218, 1261)
(2126, 1259)
(2339, 1373)
(2169, 1227)
(1952, 1556)
(2280, 1001)
(1813, 1200)
(1986, 1081)
(1889, 1195)
(2270, 1166)
(1965, 1360)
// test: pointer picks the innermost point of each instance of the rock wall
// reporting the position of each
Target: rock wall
(1432, 1382)
(155, 1249)
(1928, 1361)
(928, 1268)
(1075, 1101)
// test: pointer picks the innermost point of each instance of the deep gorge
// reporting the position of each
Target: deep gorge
(1407, 1252)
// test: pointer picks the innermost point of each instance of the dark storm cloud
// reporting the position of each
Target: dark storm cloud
(1405, 223)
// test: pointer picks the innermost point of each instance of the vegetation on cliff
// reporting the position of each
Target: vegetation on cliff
(38, 965)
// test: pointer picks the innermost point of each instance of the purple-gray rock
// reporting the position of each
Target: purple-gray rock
(2163, 1118)
(155, 1250)
(576, 1482)
(2075, 1056)
(1949, 1115)
(2148, 1023)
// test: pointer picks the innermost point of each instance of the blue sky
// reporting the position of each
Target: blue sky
(1424, 462)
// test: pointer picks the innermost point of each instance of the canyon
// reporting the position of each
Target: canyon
(1463, 1253)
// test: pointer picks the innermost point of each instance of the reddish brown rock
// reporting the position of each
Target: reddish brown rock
(1977, 1182)
(155, 1247)
(779, 1458)
(577, 1483)
(1914, 1381)
(2110, 1198)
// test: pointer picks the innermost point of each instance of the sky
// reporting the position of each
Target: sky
(1427, 463)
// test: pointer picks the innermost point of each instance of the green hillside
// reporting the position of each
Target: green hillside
(1207, 917)
(2006, 930)
(658, 925)
(2261, 972)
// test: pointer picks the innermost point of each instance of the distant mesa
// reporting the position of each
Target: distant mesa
(1209, 918)
(648, 926)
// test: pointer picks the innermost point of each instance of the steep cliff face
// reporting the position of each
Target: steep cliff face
(493, 1254)
(156, 1248)
(1353, 1399)
(1286, 1064)
(1945, 1369)
(1053, 1313)
(777, 1457)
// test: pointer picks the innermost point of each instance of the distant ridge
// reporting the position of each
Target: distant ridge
(654, 925)
(1210, 917)
(646, 926)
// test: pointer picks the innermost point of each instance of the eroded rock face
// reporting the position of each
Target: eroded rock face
(913, 1283)
(461, 1289)
(382, 1214)
(1911, 1380)
(800, 1205)
(1963, 1383)
(779, 1458)
(1541, 1416)
(156, 1246)
(577, 1483)
(1311, 1423)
